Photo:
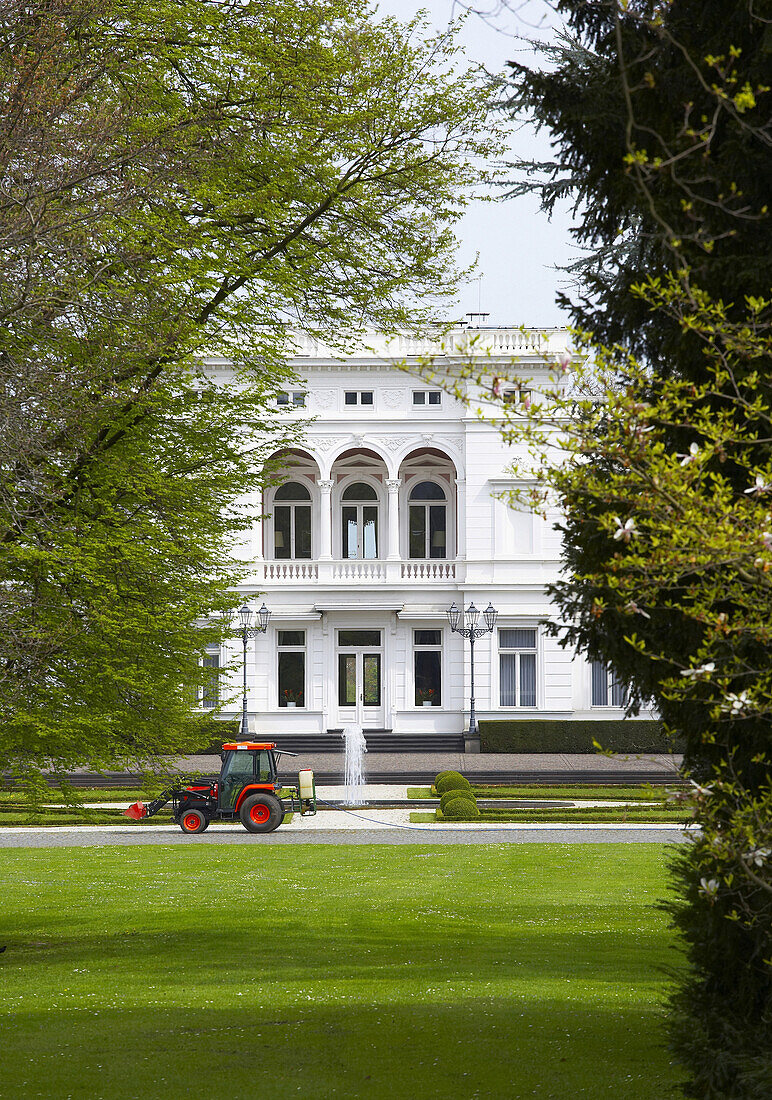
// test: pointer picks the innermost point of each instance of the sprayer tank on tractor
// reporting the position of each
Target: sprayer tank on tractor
(247, 790)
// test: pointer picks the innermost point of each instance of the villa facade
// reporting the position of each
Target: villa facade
(388, 514)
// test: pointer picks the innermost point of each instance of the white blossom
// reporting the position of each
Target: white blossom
(758, 856)
(702, 670)
(705, 791)
(759, 486)
(633, 608)
(625, 530)
(694, 450)
(735, 703)
(709, 887)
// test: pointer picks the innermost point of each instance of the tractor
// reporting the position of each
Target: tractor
(246, 791)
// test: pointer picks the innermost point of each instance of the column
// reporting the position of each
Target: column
(460, 519)
(325, 520)
(393, 484)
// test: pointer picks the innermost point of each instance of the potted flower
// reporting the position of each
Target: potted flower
(292, 697)
(426, 695)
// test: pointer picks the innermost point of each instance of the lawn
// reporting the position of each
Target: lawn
(500, 971)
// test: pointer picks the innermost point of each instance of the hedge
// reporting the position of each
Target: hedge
(460, 809)
(449, 796)
(620, 735)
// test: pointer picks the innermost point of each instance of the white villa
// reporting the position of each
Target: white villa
(387, 516)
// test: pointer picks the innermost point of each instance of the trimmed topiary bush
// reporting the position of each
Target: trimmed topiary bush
(449, 795)
(451, 781)
(461, 809)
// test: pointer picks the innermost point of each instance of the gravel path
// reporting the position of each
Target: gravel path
(326, 831)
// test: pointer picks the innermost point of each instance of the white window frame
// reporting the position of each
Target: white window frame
(419, 648)
(358, 402)
(294, 648)
(430, 399)
(536, 651)
(293, 504)
(293, 399)
(212, 652)
(337, 512)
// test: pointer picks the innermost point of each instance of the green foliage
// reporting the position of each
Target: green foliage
(451, 781)
(460, 809)
(449, 796)
(624, 735)
(185, 177)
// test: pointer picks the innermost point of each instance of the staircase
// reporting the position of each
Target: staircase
(376, 740)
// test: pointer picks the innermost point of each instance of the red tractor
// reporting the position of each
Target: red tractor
(247, 791)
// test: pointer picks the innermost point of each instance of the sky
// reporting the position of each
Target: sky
(518, 247)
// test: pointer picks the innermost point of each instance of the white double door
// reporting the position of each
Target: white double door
(359, 677)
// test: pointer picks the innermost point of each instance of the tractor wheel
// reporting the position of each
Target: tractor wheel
(193, 821)
(261, 813)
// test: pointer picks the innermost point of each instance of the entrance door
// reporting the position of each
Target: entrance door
(360, 689)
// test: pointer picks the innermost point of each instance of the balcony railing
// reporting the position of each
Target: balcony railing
(354, 571)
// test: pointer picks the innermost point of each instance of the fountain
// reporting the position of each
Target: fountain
(356, 747)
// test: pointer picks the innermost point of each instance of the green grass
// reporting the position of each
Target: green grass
(643, 793)
(507, 971)
(600, 814)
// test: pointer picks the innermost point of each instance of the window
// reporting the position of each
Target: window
(518, 396)
(517, 667)
(606, 689)
(427, 663)
(359, 519)
(292, 521)
(296, 399)
(358, 397)
(291, 645)
(210, 689)
(427, 521)
(427, 397)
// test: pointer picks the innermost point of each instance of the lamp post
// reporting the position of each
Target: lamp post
(247, 632)
(471, 631)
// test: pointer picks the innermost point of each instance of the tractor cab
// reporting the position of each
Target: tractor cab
(245, 764)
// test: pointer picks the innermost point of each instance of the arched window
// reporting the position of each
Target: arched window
(428, 521)
(292, 521)
(359, 516)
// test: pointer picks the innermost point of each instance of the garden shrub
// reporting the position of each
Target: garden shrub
(452, 781)
(460, 809)
(552, 735)
(446, 798)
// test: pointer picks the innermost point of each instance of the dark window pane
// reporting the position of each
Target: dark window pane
(369, 532)
(349, 515)
(435, 398)
(292, 637)
(437, 547)
(366, 398)
(428, 637)
(282, 538)
(347, 680)
(618, 694)
(359, 637)
(299, 400)
(427, 490)
(527, 679)
(507, 682)
(292, 490)
(302, 532)
(211, 688)
(419, 397)
(292, 668)
(517, 639)
(427, 676)
(599, 684)
(359, 490)
(282, 399)
(371, 674)
(417, 531)
(350, 397)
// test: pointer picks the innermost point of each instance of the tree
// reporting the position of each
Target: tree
(178, 176)
(660, 118)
